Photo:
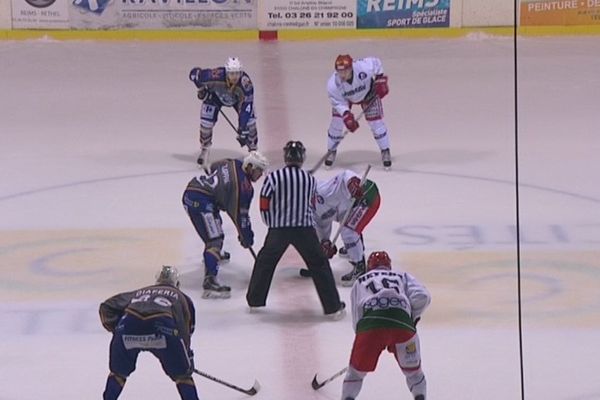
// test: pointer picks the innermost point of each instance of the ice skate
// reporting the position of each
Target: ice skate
(339, 314)
(255, 309)
(203, 158)
(357, 270)
(330, 159)
(242, 139)
(214, 290)
(386, 158)
(420, 397)
(225, 257)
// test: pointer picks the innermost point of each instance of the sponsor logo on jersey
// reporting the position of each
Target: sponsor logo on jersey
(362, 75)
(144, 342)
(383, 303)
(354, 91)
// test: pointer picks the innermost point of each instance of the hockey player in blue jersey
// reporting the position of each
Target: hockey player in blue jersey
(227, 86)
(159, 319)
(227, 188)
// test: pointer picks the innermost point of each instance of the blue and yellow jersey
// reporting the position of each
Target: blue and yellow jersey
(229, 188)
(151, 302)
(239, 96)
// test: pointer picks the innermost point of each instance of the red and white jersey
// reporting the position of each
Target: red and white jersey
(332, 200)
(381, 290)
(342, 93)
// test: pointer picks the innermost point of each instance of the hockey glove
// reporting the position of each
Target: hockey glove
(354, 188)
(381, 86)
(242, 137)
(203, 93)
(350, 122)
(328, 248)
(195, 75)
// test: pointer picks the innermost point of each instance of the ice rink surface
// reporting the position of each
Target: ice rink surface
(99, 139)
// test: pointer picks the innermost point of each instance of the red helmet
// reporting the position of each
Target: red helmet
(379, 259)
(343, 62)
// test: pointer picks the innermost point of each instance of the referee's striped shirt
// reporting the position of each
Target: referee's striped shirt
(286, 196)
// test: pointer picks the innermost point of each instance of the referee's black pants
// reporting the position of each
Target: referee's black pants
(306, 242)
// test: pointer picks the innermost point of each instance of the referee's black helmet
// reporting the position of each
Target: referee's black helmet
(293, 152)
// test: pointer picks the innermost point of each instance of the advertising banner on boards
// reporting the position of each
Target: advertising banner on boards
(306, 14)
(560, 12)
(40, 14)
(163, 14)
(377, 14)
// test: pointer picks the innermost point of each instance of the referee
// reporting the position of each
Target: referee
(285, 206)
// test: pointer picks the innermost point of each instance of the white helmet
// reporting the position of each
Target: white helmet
(233, 64)
(168, 276)
(256, 159)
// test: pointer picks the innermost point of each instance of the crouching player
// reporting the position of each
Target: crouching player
(386, 306)
(334, 198)
(159, 319)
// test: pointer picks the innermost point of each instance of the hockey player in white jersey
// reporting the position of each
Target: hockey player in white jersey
(363, 82)
(333, 198)
(386, 306)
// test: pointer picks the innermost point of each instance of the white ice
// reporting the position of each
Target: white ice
(99, 139)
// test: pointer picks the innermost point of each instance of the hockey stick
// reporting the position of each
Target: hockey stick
(316, 385)
(346, 131)
(233, 127)
(349, 210)
(335, 146)
(209, 93)
(250, 392)
(228, 120)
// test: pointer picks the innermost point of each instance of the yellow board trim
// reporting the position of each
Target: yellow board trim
(293, 34)
(357, 34)
(144, 35)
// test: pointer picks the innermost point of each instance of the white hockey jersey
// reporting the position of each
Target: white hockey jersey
(342, 93)
(387, 299)
(332, 201)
